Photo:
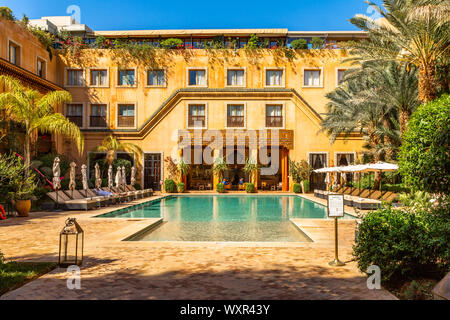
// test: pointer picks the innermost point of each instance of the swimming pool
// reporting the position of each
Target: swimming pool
(225, 218)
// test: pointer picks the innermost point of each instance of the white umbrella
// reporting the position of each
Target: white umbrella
(56, 174)
(72, 183)
(124, 177)
(98, 180)
(84, 178)
(110, 178)
(381, 167)
(118, 178)
(133, 176)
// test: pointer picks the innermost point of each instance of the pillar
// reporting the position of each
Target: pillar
(284, 169)
(255, 175)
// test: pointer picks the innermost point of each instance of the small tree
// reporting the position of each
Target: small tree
(300, 172)
(299, 44)
(219, 167)
(183, 168)
(316, 43)
(251, 168)
(424, 156)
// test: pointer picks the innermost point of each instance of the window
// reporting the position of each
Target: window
(274, 116)
(14, 53)
(156, 78)
(75, 113)
(99, 77)
(98, 116)
(197, 77)
(274, 77)
(127, 77)
(41, 68)
(75, 77)
(126, 115)
(340, 76)
(312, 78)
(197, 115)
(235, 116)
(235, 77)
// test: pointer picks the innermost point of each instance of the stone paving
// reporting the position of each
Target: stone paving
(116, 269)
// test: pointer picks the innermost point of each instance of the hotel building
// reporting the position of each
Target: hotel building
(152, 97)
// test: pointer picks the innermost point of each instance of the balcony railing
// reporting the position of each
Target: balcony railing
(98, 121)
(78, 120)
(235, 121)
(274, 121)
(196, 121)
(125, 121)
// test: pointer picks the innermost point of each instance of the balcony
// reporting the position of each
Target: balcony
(100, 121)
(274, 121)
(125, 121)
(78, 120)
(235, 121)
(196, 121)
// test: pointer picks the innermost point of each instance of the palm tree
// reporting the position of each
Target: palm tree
(251, 168)
(111, 145)
(416, 32)
(36, 112)
(370, 101)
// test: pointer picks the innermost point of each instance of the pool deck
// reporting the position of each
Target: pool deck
(116, 269)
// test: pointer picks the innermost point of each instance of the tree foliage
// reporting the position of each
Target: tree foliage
(424, 156)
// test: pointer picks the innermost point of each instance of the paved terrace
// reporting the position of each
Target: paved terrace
(116, 269)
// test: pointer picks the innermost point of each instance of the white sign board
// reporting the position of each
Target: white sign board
(335, 205)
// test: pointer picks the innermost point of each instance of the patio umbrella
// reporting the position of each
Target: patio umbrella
(133, 176)
(118, 178)
(110, 178)
(381, 167)
(98, 180)
(84, 178)
(327, 180)
(56, 178)
(72, 184)
(124, 177)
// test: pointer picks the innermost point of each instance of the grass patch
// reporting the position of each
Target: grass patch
(15, 274)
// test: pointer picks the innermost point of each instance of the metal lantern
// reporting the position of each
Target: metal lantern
(71, 244)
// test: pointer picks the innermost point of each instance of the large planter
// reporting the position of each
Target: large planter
(23, 207)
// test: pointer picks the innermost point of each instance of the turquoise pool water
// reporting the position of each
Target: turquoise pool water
(225, 218)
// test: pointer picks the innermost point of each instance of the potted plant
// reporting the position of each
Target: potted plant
(251, 168)
(219, 167)
(183, 168)
(300, 172)
(180, 187)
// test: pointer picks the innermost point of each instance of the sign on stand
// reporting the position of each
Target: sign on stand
(336, 210)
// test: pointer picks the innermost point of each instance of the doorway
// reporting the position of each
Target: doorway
(152, 171)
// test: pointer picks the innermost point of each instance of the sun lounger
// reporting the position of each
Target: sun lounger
(389, 197)
(366, 204)
(376, 195)
(123, 197)
(139, 194)
(70, 204)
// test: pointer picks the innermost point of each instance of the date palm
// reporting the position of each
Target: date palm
(111, 145)
(36, 112)
(415, 32)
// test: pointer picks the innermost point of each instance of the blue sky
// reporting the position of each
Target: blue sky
(299, 15)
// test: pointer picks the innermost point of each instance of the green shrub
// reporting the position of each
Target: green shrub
(169, 186)
(171, 43)
(47, 164)
(7, 13)
(316, 43)
(250, 188)
(423, 159)
(180, 187)
(220, 187)
(297, 188)
(404, 243)
(137, 186)
(306, 185)
(299, 44)
(40, 193)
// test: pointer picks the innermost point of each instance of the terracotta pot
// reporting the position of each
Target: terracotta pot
(23, 207)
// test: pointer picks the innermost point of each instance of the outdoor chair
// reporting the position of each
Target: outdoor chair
(70, 204)
(123, 197)
(366, 204)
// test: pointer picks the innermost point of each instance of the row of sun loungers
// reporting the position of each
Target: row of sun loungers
(362, 199)
(90, 199)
